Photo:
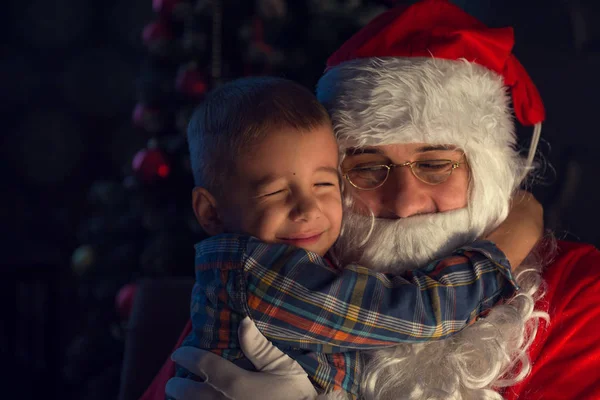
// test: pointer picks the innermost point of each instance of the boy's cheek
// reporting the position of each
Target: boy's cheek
(335, 202)
(332, 208)
(261, 224)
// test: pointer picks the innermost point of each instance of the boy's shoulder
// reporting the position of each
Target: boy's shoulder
(235, 244)
(233, 249)
(219, 250)
(230, 251)
(230, 242)
(222, 239)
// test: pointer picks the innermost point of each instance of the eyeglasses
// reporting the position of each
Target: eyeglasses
(431, 172)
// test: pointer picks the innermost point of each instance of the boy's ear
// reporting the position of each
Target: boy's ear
(205, 209)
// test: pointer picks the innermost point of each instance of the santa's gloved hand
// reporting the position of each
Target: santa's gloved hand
(279, 377)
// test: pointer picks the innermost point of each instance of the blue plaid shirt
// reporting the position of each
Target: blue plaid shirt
(322, 316)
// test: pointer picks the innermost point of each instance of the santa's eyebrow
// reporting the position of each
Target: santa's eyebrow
(353, 151)
(438, 147)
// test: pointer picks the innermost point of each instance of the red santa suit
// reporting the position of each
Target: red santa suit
(566, 354)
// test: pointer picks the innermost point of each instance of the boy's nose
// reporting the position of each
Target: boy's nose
(305, 209)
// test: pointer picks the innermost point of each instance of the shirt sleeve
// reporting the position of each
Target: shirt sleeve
(297, 300)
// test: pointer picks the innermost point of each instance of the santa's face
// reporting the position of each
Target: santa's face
(415, 222)
(403, 195)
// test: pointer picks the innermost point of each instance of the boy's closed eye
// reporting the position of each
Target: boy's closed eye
(273, 193)
(320, 184)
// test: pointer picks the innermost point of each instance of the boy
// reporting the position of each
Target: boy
(265, 163)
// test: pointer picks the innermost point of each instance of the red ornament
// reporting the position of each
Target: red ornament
(150, 165)
(148, 118)
(124, 300)
(156, 36)
(190, 81)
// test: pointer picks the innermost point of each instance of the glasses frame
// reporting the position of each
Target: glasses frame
(455, 164)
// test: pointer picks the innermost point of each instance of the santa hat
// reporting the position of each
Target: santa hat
(432, 73)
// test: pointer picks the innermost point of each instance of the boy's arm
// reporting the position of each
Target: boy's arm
(521, 230)
(298, 301)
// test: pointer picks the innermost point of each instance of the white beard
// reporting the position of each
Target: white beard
(470, 364)
(394, 246)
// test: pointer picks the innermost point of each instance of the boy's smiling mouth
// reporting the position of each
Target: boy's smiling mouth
(302, 238)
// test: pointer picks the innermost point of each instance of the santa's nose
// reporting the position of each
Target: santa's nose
(404, 195)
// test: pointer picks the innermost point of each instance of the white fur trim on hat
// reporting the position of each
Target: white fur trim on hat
(391, 100)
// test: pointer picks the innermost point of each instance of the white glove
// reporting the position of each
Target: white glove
(279, 377)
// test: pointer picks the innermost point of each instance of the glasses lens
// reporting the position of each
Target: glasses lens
(433, 171)
(368, 177)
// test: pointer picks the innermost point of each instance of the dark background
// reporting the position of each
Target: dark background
(80, 222)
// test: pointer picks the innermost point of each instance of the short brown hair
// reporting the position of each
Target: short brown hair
(240, 113)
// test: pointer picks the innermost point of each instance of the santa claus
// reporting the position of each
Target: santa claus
(430, 78)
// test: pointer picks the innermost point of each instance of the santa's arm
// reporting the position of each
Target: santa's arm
(300, 303)
(521, 230)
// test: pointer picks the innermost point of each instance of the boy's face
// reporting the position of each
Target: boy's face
(287, 190)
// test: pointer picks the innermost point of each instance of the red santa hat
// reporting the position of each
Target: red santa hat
(432, 73)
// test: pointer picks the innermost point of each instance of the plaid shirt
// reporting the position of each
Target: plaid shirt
(322, 316)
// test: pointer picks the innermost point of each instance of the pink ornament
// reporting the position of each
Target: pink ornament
(124, 300)
(190, 81)
(150, 165)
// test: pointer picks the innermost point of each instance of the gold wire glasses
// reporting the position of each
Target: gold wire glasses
(431, 172)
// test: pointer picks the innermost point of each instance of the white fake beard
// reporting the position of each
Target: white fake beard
(393, 246)
(470, 364)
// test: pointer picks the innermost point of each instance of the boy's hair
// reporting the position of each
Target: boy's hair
(239, 114)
